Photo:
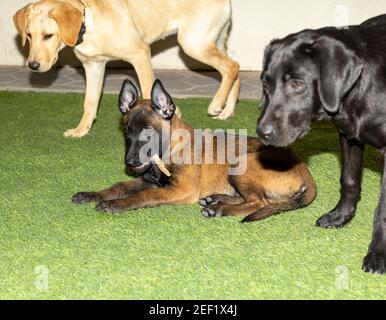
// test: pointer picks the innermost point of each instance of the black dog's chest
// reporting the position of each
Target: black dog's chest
(348, 126)
(365, 129)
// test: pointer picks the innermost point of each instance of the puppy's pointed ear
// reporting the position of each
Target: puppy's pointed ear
(20, 21)
(161, 102)
(339, 70)
(128, 97)
(69, 20)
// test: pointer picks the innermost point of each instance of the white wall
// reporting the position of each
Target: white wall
(255, 23)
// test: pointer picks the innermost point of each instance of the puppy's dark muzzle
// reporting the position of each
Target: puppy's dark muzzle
(136, 166)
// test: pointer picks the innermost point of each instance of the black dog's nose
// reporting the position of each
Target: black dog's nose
(34, 65)
(265, 132)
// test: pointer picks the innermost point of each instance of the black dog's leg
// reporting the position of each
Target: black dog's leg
(375, 261)
(350, 180)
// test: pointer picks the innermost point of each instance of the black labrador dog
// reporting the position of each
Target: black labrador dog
(336, 74)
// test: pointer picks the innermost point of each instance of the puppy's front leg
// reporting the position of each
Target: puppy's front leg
(117, 191)
(350, 180)
(148, 198)
(375, 261)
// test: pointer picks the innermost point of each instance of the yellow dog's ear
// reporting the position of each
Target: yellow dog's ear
(20, 21)
(69, 20)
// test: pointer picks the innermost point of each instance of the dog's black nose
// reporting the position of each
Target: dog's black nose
(34, 65)
(130, 162)
(265, 132)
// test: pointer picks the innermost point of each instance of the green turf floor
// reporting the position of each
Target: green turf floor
(168, 252)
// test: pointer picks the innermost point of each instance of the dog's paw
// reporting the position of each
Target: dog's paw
(76, 133)
(204, 202)
(225, 114)
(84, 197)
(108, 207)
(334, 219)
(212, 211)
(375, 262)
(214, 110)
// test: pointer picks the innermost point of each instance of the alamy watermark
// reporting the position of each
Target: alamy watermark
(342, 17)
(196, 146)
(342, 278)
(41, 278)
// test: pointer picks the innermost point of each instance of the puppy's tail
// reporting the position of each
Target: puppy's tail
(298, 200)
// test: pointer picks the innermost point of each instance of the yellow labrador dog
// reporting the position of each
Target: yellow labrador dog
(101, 31)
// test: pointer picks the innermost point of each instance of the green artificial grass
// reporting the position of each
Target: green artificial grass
(167, 252)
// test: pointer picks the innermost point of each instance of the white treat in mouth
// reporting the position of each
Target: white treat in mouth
(160, 164)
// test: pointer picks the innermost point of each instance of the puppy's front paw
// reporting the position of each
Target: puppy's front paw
(375, 262)
(109, 207)
(84, 197)
(334, 219)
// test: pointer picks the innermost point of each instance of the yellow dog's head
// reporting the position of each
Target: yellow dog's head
(48, 25)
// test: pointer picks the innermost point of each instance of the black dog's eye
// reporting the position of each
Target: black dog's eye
(296, 85)
(47, 36)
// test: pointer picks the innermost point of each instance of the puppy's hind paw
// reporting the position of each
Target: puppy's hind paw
(208, 212)
(213, 211)
(207, 201)
(84, 197)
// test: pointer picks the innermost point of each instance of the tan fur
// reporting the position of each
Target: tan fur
(20, 21)
(124, 30)
(275, 180)
(69, 20)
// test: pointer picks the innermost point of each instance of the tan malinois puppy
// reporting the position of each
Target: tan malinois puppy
(267, 180)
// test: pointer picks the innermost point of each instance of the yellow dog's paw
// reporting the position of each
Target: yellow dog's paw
(214, 110)
(75, 133)
(225, 115)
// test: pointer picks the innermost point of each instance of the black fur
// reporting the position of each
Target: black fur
(336, 74)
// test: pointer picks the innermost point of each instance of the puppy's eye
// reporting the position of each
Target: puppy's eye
(47, 36)
(28, 35)
(296, 85)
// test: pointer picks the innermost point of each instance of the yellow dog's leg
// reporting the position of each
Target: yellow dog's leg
(142, 65)
(95, 71)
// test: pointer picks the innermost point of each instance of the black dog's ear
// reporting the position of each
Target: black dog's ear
(161, 101)
(339, 70)
(128, 97)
